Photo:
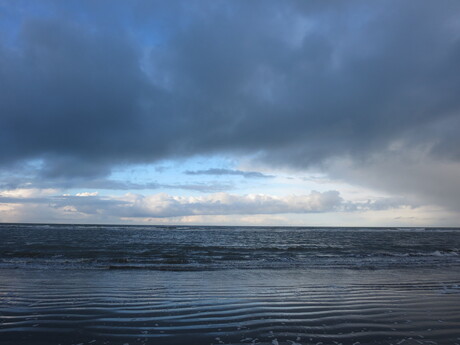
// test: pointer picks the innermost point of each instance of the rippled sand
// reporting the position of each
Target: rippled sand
(230, 307)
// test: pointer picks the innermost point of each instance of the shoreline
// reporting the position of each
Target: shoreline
(225, 307)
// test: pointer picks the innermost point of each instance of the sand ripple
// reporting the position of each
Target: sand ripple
(228, 307)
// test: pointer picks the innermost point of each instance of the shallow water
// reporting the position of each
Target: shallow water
(261, 299)
(229, 307)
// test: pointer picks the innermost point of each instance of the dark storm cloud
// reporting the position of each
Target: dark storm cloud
(89, 85)
(225, 172)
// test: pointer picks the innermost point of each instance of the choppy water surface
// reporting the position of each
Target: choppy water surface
(207, 248)
(144, 285)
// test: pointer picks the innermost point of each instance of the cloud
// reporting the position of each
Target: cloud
(34, 181)
(295, 84)
(220, 172)
(411, 173)
(162, 205)
(84, 194)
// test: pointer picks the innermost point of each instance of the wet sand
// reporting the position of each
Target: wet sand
(387, 306)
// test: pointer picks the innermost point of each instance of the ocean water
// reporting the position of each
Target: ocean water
(92, 284)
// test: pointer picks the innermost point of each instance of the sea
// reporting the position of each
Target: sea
(117, 284)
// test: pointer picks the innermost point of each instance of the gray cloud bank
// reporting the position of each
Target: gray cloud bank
(11, 183)
(91, 86)
(231, 172)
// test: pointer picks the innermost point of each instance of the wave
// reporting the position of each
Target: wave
(210, 248)
(205, 263)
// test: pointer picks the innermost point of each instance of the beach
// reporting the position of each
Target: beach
(289, 303)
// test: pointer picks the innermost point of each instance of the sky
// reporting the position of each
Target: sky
(303, 113)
